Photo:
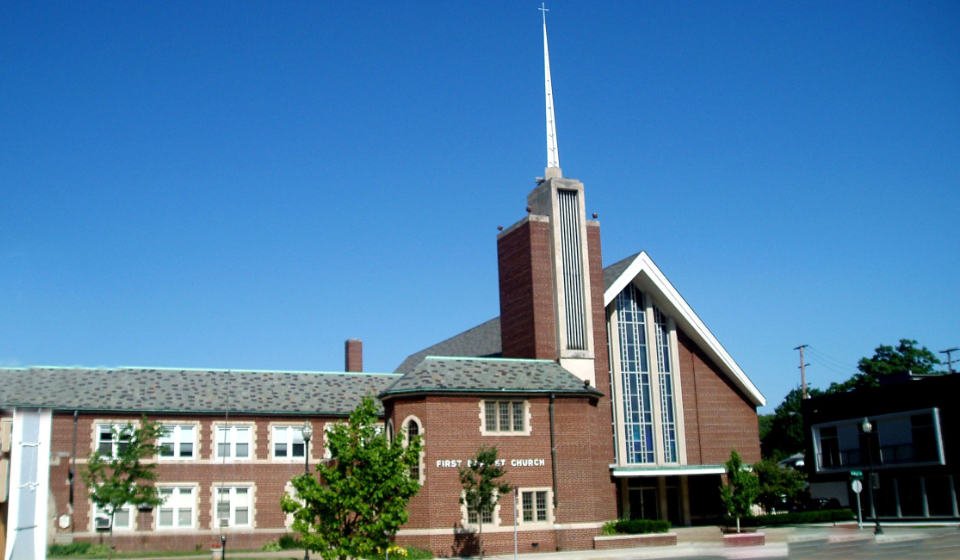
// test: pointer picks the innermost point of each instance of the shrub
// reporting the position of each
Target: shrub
(78, 549)
(286, 542)
(822, 516)
(404, 553)
(271, 546)
(635, 526)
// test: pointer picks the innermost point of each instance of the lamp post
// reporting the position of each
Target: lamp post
(307, 434)
(867, 428)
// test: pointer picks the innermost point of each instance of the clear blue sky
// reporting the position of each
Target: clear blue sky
(247, 185)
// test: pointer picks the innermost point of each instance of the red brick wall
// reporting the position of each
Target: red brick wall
(527, 308)
(269, 477)
(451, 428)
(718, 417)
(603, 491)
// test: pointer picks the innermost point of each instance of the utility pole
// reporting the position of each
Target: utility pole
(803, 372)
(949, 351)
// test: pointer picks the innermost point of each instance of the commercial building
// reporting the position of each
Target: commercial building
(903, 433)
(603, 391)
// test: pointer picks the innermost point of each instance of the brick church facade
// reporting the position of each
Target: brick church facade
(604, 393)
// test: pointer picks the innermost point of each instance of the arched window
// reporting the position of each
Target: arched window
(413, 430)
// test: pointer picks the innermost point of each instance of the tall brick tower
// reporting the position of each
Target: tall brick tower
(550, 271)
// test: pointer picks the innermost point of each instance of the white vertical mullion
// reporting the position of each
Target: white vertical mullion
(677, 394)
(653, 366)
(618, 391)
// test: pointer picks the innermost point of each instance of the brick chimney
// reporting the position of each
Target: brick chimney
(353, 355)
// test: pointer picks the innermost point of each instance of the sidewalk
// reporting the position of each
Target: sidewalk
(808, 541)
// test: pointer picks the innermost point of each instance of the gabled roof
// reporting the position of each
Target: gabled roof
(640, 269)
(436, 374)
(482, 340)
(189, 391)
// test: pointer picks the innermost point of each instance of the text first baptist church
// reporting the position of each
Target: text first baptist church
(604, 393)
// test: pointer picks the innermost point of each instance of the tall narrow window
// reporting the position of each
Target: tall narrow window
(413, 430)
(571, 258)
(830, 448)
(635, 373)
(667, 412)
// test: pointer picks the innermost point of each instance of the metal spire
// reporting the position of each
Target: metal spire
(553, 152)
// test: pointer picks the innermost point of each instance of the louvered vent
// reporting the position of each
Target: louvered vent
(572, 260)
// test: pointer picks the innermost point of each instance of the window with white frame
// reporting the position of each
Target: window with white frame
(535, 505)
(470, 517)
(178, 507)
(233, 442)
(233, 506)
(288, 442)
(112, 438)
(505, 417)
(178, 441)
(123, 518)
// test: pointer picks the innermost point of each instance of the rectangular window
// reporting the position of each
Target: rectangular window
(177, 509)
(112, 439)
(288, 442)
(122, 518)
(472, 517)
(534, 506)
(233, 442)
(924, 436)
(829, 448)
(504, 416)
(233, 506)
(178, 442)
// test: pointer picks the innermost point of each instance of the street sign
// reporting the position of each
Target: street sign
(856, 486)
(856, 474)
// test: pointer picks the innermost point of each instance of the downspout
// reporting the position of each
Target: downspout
(73, 465)
(553, 453)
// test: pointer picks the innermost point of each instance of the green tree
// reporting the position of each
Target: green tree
(482, 486)
(121, 478)
(888, 360)
(784, 434)
(359, 500)
(777, 484)
(741, 489)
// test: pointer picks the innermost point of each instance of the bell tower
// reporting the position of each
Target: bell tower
(546, 266)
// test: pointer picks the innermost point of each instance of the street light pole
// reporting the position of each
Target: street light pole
(867, 429)
(307, 434)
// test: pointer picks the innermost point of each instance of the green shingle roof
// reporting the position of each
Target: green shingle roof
(437, 374)
(193, 391)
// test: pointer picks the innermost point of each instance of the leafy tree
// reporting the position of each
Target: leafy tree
(360, 498)
(784, 437)
(777, 485)
(888, 360)
(482, 486)
(741, 489)
(120, 479)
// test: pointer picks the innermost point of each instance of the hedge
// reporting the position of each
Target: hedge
(820, 516)
(635, 526)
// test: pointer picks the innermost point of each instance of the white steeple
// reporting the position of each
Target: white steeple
(553, 152)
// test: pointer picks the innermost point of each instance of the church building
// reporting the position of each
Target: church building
(604, 393)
